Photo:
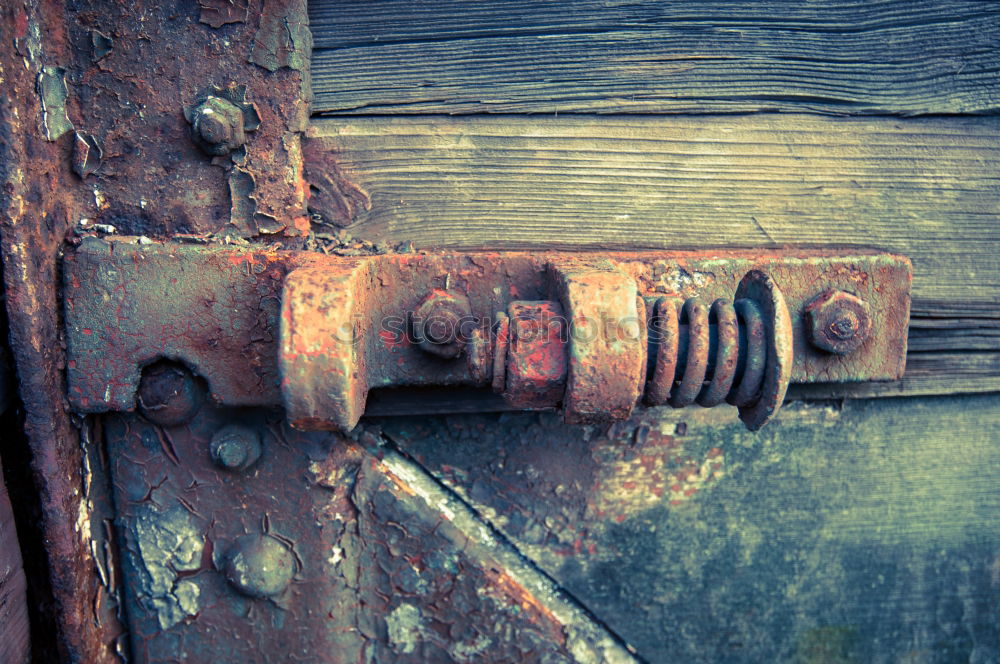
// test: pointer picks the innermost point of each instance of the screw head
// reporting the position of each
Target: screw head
(169, 394)
(235, 447)
(837, 322)
(439, 323)
(259, 566)
(217, 125)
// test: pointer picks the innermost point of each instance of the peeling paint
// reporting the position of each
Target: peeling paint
(283, 39)
(51, 84)
(218, 13)
(27, 37)
(404, 627)
(87, 155)
(100, 45)
(168, 544)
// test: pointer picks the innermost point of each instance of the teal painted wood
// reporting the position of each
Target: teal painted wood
(863, 533)
(901, 57)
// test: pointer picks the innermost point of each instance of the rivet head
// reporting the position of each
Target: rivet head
(259, 566)
(235, 447)
(169, 394)
(837, 322)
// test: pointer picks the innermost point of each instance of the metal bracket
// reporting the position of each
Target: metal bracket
(591, 334)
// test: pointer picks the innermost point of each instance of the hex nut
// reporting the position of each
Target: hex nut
(169, 394)
(217, 125)
(837, 322)
(259, 565)
(235, 447)
(439, 323)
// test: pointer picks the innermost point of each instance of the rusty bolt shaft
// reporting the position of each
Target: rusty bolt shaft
(439, 321)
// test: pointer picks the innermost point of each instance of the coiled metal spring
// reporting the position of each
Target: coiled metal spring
(698, 353)
(738, 352)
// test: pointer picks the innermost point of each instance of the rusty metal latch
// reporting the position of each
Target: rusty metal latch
(592, 334)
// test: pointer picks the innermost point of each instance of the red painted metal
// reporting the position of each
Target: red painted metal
(535, 362)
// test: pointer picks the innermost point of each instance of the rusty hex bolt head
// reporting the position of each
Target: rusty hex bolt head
(235, 447)
(217, 126)
(259, 566)
(169, 394)
(837, 322)
(439, 323)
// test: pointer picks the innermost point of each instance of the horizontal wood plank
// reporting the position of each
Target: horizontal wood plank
(927, 188)
(545, 56)
(927, 374)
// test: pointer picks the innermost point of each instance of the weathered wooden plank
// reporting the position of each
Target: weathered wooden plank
(862, 533)
(928, 188)
(927, 374)
(838, 56)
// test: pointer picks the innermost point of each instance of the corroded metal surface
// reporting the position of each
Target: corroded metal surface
(325, 333)
(841, 533)
(535, 364)
(345, 325)
(192, 540)
(760, 288)
(606, 353)
(324, 550)
(40, 197)
(92, 135)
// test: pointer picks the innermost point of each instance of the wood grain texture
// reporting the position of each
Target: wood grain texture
(543, 56)
(867, 532)
(927, 188)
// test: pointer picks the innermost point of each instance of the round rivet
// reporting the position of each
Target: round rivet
(169, 394)
(259, 566)
(235, 447)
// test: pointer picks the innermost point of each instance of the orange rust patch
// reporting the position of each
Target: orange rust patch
(395, 479)
(528, 602)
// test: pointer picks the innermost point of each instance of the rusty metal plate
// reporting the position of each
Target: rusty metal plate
(241, 538)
